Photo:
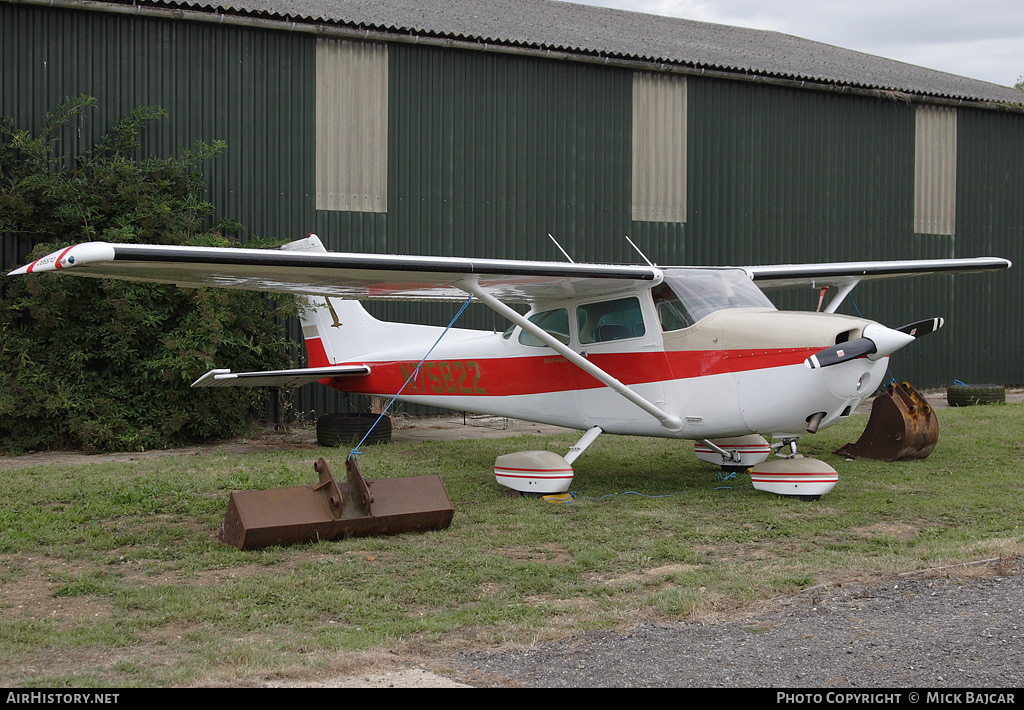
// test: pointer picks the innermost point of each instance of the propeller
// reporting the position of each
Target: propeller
(922, 327)
(877, 342)
(850, 350)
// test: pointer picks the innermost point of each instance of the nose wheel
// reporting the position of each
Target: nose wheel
(792, 474)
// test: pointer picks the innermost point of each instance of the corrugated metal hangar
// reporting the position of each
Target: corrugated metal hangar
(479, 127)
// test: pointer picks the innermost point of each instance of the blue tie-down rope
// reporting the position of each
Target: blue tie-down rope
(355, 452)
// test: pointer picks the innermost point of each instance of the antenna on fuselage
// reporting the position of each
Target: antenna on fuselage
(642, 255)
(561, 249)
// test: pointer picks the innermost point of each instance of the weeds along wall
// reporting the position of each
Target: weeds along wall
(400, 148)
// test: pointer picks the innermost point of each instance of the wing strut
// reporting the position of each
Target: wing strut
(844, 291)
(670, 422)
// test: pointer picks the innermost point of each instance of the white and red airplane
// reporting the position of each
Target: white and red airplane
(688, 353)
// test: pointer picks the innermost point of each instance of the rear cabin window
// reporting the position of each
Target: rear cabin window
(554, 322)
(610, 320)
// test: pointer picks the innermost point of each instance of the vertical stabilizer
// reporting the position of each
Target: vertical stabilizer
(334, 329)
(338, 330)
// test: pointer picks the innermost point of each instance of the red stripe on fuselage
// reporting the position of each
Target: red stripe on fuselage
(553, 373)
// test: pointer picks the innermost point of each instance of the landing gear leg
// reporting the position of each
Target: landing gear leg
(580, 446)
(785, 449)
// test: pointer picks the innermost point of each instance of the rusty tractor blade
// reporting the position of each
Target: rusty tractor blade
(329, 511)
(902, 425)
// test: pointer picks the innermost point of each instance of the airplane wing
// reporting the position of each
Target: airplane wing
(844, 273)
(305, 267)
(358, 276)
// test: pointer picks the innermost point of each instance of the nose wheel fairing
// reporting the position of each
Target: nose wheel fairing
(795, 476)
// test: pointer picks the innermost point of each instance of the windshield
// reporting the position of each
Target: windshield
(687, 295)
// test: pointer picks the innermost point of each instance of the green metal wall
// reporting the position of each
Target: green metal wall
(489, 153)
(250, 88)
(988, 345)
(782, 175)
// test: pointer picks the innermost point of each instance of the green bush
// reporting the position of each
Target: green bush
(107, 365)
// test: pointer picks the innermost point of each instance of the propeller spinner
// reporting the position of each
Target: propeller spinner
(877, 342)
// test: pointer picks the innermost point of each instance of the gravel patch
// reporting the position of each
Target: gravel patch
(909, 633)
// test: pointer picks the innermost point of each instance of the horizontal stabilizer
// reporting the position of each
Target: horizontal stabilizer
(278, 378)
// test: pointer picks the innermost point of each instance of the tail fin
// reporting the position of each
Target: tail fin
(334, 329)
(339, 330)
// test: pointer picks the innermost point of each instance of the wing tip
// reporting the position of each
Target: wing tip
(76, 255)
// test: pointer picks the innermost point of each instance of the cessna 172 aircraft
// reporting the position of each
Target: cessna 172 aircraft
(689, 353)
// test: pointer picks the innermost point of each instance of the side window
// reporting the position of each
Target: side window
(671, 313)
(610, 320)
(555, 322)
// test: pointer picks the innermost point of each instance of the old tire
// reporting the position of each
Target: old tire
(966, 395)
(349, 430)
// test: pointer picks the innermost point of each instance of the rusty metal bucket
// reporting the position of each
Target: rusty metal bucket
(329, 511)
(902, 425)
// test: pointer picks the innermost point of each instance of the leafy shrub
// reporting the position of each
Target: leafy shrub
(107, 365)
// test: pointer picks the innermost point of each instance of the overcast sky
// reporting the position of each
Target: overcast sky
(982, 39)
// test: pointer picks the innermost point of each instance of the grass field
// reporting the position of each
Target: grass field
(111, 574)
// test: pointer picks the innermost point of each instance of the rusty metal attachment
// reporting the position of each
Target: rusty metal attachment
(902, 425)
(329, 511)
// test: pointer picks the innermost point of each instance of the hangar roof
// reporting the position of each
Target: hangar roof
(616, 34)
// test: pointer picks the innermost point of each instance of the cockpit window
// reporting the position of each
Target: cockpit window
(555, 322)
(687, 295)
(610, 320)
(670, 311)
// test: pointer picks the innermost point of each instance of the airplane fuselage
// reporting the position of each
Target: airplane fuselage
(724, 369)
